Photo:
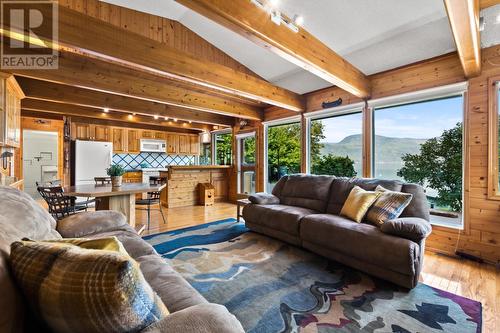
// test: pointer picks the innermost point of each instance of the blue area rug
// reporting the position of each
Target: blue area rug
(271, 286)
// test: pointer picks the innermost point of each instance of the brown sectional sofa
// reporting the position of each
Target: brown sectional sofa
(304, 210)
(21, 216)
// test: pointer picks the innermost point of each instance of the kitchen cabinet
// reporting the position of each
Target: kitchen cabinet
(184, 144)
(91, 132)
(119, 139)
(160, 135)
(10, 111)
(147, 134)
(133, 143)
(132, 177)
(101, 133)
(194, 141)
(172, 143)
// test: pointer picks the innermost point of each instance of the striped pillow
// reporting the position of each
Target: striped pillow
(389, 205)
(78, 289)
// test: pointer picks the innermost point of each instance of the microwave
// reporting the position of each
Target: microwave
(153, 146)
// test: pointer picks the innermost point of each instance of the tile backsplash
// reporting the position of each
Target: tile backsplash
(153, 160)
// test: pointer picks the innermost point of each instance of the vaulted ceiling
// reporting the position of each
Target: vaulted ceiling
(373, 35)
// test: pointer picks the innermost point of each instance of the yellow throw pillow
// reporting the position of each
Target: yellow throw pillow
(85, 285)
(358, 202)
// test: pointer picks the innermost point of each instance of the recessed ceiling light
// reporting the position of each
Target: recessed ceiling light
(190, 121)
(156, 116)
(166, 118)
(134, 114)
(175, 119)
(106, 110)
(130, 116)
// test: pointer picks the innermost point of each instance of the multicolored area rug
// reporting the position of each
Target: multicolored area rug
(271, 286)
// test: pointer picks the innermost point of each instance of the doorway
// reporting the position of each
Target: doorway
(40, 159)
(246, 163)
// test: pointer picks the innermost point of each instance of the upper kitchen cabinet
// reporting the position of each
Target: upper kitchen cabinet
(172, 143)
(119, 135)
(194, 141)
(133, 143)
(10, 111)
(184, 144)
(90, 132)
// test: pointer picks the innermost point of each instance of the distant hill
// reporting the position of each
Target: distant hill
(388, 150)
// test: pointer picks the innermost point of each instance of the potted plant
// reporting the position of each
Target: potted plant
(116, 171)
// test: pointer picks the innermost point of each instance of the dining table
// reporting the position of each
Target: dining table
(121, 199)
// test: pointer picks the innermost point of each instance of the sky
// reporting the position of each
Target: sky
(420, 120)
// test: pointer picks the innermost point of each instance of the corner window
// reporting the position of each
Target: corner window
(421, 143)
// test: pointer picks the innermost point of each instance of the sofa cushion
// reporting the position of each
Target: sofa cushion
(389, 205)
(413, 228)
(419, 205)
(133, 243)
(89, 223)
(262, 198)
(20, 216)
(176, 293)
(362, 241)
(306, 191)
(76, 289)
(279, 217)
(342, 186)
(358, 202)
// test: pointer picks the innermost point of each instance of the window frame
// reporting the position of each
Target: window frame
(421, 96)
(214, 144)
(242, 167)
(272, 123)
(330, 113)
(493, 145)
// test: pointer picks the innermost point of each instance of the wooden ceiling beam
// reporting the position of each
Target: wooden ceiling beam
(464, 21)
(488, 3)
(83, 34)
(54, 92)
(77, 70)
(82, 111)
(301, 48)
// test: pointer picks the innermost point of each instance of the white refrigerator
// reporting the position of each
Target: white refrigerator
(92, 158)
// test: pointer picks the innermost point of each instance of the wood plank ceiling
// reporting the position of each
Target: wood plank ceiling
(105, 65)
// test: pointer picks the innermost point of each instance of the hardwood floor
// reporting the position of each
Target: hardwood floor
(480, 282)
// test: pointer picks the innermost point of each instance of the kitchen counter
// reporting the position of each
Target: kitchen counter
(183, 183)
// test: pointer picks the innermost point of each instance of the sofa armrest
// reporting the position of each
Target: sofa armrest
(412, 228)
(90, 223)
(263, 198)
(201, 318)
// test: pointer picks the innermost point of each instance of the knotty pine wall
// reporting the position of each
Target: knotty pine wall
(158, 28)
(481, 236)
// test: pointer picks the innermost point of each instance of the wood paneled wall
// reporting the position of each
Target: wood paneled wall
(481, 236)
(158, 28)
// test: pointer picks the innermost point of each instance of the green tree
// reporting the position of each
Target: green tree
(334, 165)
(283, 150)
(224, 148)
(317, 129)
(249, 150)
(439, 166)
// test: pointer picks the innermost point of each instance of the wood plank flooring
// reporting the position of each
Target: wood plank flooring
(480, 282)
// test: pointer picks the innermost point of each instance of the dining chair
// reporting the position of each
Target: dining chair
(60, 205)
(153, 198)
(80, 204)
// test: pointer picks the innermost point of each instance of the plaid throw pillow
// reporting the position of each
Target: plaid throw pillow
(75, 288)
(389, 205)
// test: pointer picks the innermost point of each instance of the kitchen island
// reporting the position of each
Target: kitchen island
(182, 183)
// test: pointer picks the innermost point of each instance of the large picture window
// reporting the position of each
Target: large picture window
(336, 145)
(422, 143)
(283, 151)
(223, 148)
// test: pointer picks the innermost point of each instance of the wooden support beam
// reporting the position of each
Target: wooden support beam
(488, 3)
(93, 74)
(301, 48)
(464, 21)
(54, 92)
(82, 34)
(29, 104)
